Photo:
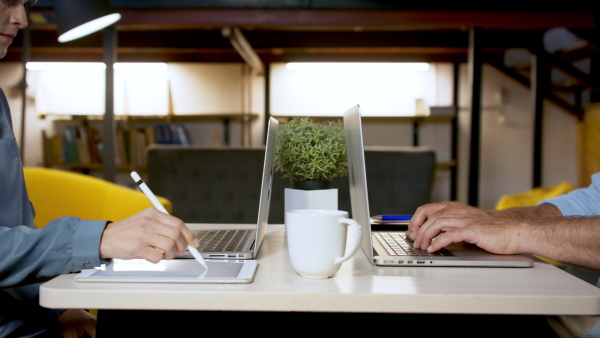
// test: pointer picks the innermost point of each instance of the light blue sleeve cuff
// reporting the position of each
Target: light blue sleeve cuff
(580, 202)
(86, 245)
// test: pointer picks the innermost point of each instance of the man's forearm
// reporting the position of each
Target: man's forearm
(541, 211)
(564, 239)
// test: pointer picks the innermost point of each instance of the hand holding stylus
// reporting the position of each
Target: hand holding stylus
(160, 207)
(150, 234)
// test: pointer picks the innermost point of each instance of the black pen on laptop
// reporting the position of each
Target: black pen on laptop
(144, 187)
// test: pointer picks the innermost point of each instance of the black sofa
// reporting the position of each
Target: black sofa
(222, 185)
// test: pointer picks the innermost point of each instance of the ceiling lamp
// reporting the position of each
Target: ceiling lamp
(78, 18)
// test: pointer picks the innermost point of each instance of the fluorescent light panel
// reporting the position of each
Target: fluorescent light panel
(94, 66)
(66, 66)
(357, 66)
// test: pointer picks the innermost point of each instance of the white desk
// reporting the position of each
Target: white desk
(357, 287)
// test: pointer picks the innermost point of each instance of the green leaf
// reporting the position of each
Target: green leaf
(311, 151)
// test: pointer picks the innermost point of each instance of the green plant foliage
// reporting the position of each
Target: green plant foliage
(311, 151)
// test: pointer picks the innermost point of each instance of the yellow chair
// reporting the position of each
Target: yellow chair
(58, 193)
(531, 198)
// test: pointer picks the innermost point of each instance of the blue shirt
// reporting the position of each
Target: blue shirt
(580, 202)
(29, 255)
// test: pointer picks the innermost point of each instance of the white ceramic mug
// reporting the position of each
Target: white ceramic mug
(316, 241)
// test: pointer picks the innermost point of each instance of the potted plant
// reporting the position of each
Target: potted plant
(311, 155)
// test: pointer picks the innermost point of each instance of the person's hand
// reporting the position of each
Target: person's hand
(74, 323)
(496, 235)
(150, 234)
(419, 227)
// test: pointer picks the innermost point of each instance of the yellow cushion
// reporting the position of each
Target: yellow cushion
(531, 198)
(57, 193)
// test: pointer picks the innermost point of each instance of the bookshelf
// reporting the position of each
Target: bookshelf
(438, 115)
(76, 143)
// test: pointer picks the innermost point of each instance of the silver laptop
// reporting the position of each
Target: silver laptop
(390, 248)
(226, 243)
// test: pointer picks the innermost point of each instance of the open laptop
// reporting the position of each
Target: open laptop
(389, 248)
(225, 243)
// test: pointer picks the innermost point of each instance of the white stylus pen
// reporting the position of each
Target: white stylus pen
(160, 207)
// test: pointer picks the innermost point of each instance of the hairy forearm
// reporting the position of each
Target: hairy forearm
(568, 240)
(536, 212)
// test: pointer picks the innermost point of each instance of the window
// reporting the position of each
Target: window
(77, 88)
(328, 89)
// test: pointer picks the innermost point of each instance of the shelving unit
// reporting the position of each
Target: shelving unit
(416, 121)
(438, 115)
(134, 135)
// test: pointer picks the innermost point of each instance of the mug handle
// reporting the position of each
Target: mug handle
(357, 239)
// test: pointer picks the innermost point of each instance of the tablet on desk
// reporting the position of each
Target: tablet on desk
(172, 271)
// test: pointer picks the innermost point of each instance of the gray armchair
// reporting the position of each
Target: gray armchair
(222, 185)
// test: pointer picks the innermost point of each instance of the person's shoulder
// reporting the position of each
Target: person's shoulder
(596, 178)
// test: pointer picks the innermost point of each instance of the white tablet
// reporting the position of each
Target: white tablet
(172, 271)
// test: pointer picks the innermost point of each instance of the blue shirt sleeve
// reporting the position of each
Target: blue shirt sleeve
(580, 202)
(65, 245)
(27, 254)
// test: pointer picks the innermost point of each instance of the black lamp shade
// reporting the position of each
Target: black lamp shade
(78, 18)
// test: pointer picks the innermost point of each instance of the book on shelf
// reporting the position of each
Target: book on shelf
(171, 133)
(82, 145)
(182, 135)
(71, 145)
(95, 145)
(78, 145)
(122, 147)
(150, 135)
(56, 154)
(138, 142)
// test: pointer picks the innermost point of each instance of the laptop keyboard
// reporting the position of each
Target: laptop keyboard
(223, 240)
(397, 244)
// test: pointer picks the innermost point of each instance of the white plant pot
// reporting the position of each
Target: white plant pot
(296, 199)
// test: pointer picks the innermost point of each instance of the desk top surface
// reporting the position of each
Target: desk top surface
(357, 287)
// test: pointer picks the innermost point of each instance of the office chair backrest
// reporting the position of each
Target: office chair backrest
(399, 179)
(208, 185)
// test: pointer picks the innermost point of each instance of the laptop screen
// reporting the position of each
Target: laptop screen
(357, 176)
(267, 182)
